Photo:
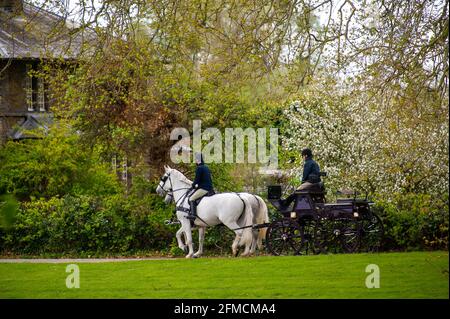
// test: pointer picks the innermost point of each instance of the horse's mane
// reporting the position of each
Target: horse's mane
(181, 177)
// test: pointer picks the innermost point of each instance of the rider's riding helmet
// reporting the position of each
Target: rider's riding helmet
(199, 158)
(307, 152)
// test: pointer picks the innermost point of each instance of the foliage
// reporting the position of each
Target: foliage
(54, 166)
(8, 210)
(399, 160)
(414, 221)
(366, 84)
(83, 224)
(370, 147)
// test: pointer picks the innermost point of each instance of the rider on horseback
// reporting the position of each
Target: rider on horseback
(202, 184)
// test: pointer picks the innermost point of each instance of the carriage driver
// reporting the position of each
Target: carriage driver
(202, 184)
(311, 171)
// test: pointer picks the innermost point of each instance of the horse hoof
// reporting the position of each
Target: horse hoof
(195, 256)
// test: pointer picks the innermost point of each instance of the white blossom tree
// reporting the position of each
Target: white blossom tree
(400, 146)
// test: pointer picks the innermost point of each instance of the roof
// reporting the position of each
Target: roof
(34, 121)
(37, 33)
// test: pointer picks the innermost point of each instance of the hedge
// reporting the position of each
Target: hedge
(117, 224)
(81, 224)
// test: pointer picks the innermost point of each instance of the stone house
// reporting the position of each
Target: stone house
(28, 36)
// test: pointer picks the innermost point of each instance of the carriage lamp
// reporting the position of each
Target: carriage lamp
(355, 214)
(293, 215)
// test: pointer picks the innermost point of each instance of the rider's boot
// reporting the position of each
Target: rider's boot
(193, 212)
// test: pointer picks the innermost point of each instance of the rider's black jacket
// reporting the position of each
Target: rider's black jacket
(203, 178)
(311, 171)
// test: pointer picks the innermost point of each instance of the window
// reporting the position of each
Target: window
(41, 94)
(29, 87)
(35, 90)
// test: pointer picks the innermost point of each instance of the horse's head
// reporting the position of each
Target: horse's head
(164, 186)
(172, 178)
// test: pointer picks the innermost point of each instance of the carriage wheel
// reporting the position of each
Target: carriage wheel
(326, 235)
(309, 243)
(350, 236)
(372, 232)
(337, 235)
(283, 237)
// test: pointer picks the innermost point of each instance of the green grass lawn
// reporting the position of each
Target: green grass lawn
(402, 275)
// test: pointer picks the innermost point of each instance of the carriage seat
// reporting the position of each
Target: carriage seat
(315, 188)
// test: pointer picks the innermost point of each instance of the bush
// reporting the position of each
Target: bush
(82, 223)
(55, 165)
(414, 221)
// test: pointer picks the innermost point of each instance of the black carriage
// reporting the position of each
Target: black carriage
(310, 225)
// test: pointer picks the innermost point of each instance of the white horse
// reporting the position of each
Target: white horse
(227, 208)
(260, 216)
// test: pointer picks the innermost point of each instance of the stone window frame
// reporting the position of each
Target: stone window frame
(35, 90)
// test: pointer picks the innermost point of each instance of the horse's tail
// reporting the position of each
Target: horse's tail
(247, 234)
(263, 218)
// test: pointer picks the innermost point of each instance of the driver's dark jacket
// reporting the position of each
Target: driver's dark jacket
(311, 171)
(203, 178)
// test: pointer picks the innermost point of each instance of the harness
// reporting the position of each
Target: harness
(171, 192)
(181, 199)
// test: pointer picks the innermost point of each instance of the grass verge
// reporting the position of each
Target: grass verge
(402, 275)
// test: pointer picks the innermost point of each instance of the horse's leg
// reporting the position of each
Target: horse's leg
(247, 249)
(181, 245)
(201, 240)
(188, 233)
(235, 245)
(254, 242)
(237, 239)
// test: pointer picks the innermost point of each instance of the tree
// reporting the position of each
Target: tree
(401, 147)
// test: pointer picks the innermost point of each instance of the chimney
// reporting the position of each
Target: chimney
(14, 6)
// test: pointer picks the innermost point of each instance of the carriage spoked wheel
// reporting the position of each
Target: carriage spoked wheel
(372, 232)
(337, 235)
(284, 237)
(310, 243)
(350, 236)
(325, 236)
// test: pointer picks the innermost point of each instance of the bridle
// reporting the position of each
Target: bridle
(171, 191)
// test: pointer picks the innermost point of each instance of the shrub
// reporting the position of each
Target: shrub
(55, 165)
(414, 221)
(82, 223)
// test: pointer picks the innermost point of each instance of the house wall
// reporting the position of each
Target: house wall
(12, 87)
(13, 100)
